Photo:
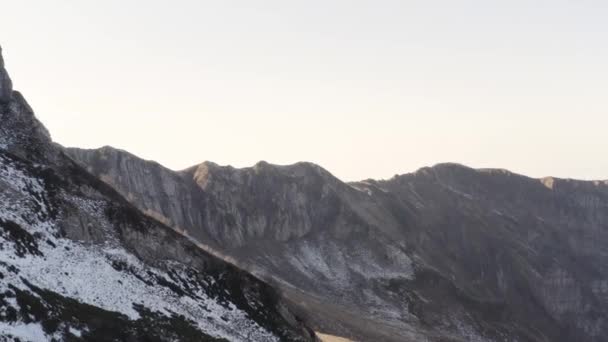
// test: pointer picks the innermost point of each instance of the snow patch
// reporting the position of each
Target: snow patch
(32, 332)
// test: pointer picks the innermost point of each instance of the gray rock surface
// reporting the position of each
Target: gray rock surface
(6, 85)
(447, 253)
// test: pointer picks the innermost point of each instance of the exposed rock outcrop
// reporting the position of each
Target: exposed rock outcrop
(6, 85)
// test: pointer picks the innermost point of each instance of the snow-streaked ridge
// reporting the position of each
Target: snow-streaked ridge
(88, 273)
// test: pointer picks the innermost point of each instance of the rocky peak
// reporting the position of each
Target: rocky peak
(210, 176)
(6, 85)
(20, 131)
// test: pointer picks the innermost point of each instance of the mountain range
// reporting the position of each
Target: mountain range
(100, 238)
(445, 253)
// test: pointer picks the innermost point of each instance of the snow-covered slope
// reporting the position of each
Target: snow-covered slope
(78, 262)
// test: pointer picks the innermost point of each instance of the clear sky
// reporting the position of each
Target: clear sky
(363, 88)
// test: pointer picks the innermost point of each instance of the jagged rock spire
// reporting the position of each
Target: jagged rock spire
(6, 85)
(20, 131)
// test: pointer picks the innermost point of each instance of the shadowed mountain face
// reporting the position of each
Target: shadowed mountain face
(80, 263)
(447, 253)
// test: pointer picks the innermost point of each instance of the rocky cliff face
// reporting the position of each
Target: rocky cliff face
(79, 263)
(447, 253)
(6, 85)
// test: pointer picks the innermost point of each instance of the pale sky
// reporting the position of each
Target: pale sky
(367, 89)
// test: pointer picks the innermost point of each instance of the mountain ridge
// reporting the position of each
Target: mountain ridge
(418, 231)
(312, 165)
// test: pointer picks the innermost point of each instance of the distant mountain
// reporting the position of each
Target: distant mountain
(80, 263)
(447, 253)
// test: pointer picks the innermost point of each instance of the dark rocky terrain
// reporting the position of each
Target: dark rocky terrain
(78, 262)
(447, 253)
